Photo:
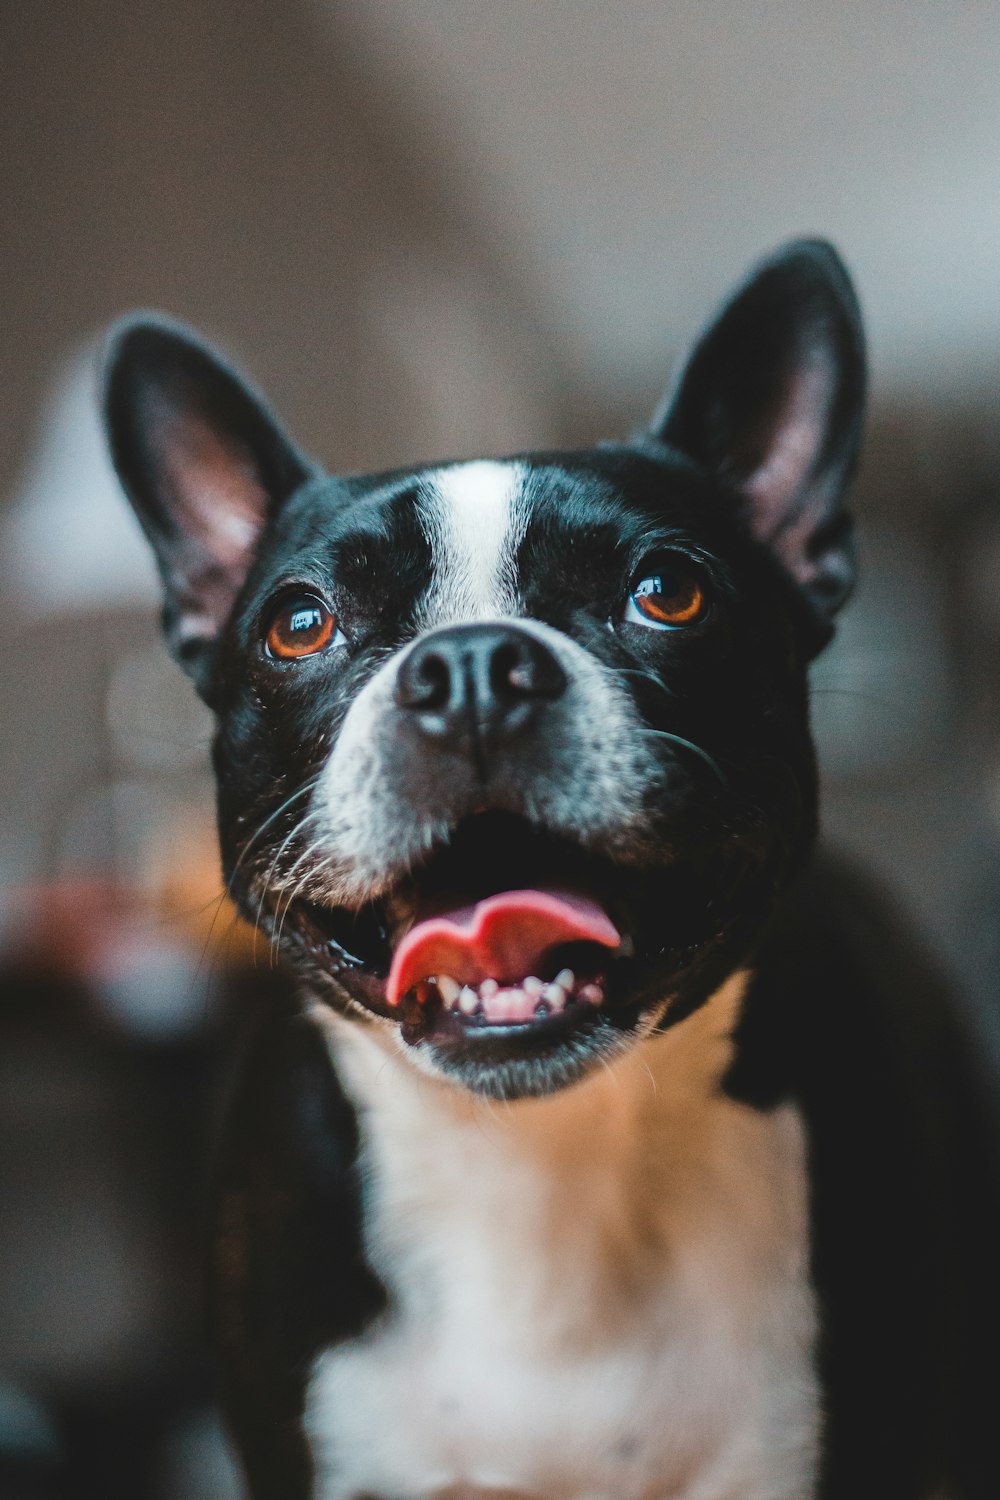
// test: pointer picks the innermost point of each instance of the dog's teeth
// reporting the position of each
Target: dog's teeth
(489, 988)
(593, 994)
(555, 996)
(468, 1000)
(566, 979)
(449, 989)
(533, 986)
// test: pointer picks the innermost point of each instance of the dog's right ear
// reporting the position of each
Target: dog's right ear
(205, 466)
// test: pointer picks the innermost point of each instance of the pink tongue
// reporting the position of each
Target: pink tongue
(502, 938)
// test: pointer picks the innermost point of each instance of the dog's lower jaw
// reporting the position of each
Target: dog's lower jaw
(499, 1065)
(599, 1293)
(506, 1079)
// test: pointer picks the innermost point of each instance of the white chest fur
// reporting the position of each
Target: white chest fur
(602, 1295)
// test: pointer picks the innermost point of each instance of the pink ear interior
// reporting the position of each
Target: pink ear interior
(793, 441)
(783, 507)
(218, 507)
(218, 494)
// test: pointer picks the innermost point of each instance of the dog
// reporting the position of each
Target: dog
(617, 1147)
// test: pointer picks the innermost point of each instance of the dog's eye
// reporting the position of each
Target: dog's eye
(300, 626)
(667, 597)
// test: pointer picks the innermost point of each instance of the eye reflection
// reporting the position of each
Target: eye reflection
(668, 597)
(301, 626)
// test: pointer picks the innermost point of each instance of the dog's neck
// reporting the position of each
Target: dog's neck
(608, 1142)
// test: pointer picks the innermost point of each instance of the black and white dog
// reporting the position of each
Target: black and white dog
(617, 1150)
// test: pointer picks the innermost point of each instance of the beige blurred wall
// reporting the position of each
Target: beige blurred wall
(239, 166)
(245, 168)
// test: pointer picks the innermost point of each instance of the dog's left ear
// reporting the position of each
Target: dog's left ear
(205, 466)
(770, 405)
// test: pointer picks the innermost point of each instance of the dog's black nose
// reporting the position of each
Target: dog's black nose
(484, 683)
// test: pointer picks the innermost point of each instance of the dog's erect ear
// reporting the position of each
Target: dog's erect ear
(205, 466)
(770, 404)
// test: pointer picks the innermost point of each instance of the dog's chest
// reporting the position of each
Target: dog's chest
(602, 1295)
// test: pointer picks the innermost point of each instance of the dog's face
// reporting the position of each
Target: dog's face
(513, 757)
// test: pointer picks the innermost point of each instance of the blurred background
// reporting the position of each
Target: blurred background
(429, 228)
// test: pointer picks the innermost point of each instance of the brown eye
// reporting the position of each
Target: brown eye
(667, 598)
(300, 626)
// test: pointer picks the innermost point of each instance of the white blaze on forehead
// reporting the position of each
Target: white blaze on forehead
(475, 518)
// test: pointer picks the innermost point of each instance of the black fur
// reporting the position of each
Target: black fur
(741, 480)
(903, 1176)
(288, 1274)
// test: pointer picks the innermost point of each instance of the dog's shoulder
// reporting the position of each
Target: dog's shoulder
(852, 1017)
(841, 972)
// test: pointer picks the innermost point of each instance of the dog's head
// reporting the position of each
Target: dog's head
(513, 757)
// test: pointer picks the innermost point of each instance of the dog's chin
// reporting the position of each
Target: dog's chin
(533, 1059)
(628, 946)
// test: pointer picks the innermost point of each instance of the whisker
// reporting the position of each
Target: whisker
(219, 958)
(606, 1065)
(297, 888)
(287, 879)
(293, 833)
(300, 791)
(220, 902)
(677, 739)
(647, 676)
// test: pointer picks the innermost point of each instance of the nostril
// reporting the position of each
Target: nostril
(509, 674)
(526, 670)
(483, 681)
(425, 682)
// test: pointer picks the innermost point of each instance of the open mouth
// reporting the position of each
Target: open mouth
(511, 959)
(506, 929)
(511, 947)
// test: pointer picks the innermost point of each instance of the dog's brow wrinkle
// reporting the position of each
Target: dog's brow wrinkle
(475, 515)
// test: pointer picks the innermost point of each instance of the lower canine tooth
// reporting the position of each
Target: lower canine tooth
(449, 989)
(555, 995)
(468, 1001)
(566, 978)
